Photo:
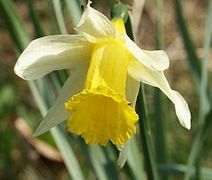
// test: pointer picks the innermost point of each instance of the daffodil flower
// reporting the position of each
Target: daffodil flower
(106, 66)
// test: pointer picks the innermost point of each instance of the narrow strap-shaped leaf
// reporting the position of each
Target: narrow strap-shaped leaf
(146, 136)
(203, 132)
(188, 43)
(68, 154)
(205, 103)
(14, 24)
(59, 16)
(159, 101)
(135, 161)
(180, 169)
(99, 161)
(37, 27)
(111, 167)
(204, 120)
(74, 10)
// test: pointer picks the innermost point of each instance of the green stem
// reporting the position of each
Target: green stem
(36, 23)
(190, 48)
(159, 119)
(195, 154)
(146, 136)
(180, 169)
(74, 10)
(197, 145)
(205, 104)
(59, 16)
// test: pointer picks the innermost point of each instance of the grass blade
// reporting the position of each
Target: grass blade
(194, 62)
(205, 105)
(180, 170)
(59, 16)
(194, 156)
(202, 133)
(74, 10)
(14, 24)
(67, 152)
(99, 161)
(134, 160)
(146, 136)
(158, 103)
(36, 23)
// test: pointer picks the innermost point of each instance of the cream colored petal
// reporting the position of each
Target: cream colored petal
(157, 79)
(132, 88)
(51, 53)
(94, 24)
(156, 60)
(123, 154)
(57, 113)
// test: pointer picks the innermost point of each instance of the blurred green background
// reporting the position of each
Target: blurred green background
(181, 28)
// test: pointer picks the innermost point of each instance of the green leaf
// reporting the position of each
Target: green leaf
(14, 24)
(36, 23)
(68, 154)
(146, 136)
(204, 119)
(135, 161)
(99, 161)
(59, 16)
(74, 10)
(158, 103)
(205, 103)
(193, 59)
(179, 170)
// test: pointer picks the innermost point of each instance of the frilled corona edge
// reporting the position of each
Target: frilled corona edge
(100, 115)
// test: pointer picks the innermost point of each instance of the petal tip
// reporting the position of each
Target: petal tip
(186, 122)
(188, 126)
(40, 130)
(36, 134)
(19, 72)
(123, 154)
(120, 163)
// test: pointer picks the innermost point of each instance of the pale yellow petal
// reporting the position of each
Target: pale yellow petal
(57, 113)
(51, 53)
(156, 60)
(94, 24)
(132, 88)
(123, 154)
(157, 79)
